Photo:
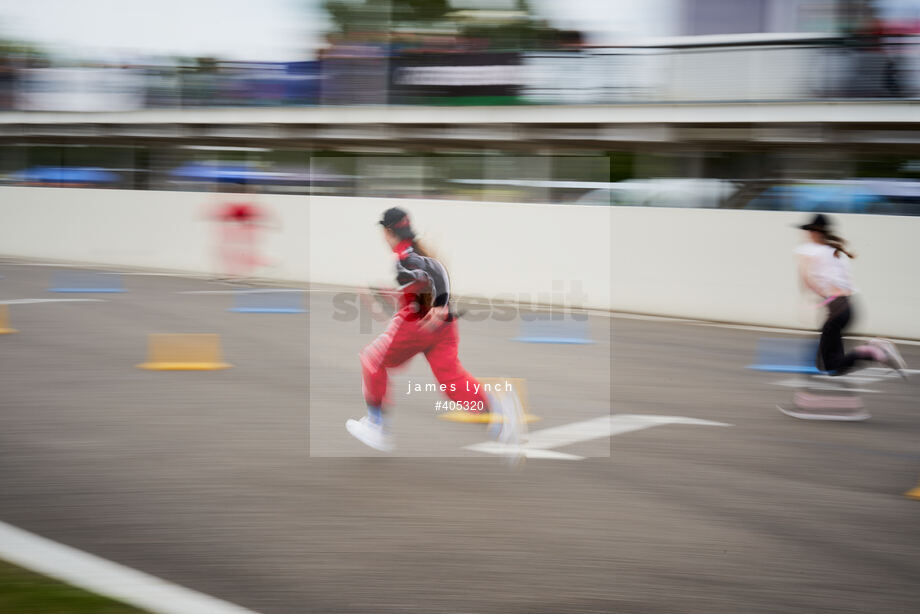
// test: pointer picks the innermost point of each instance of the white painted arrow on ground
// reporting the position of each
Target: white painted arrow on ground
(539, 444)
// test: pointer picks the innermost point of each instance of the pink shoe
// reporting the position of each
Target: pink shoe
(892, 355)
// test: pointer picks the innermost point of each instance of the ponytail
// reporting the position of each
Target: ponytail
(838, 244)
(420, 249)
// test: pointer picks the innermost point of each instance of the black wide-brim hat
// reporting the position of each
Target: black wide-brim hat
(819, 223)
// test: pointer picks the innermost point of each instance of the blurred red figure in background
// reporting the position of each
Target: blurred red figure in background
(240, 223)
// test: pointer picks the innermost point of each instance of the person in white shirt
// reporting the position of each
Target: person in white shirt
(824, 268)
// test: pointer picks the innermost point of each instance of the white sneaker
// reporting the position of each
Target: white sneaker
(894, 358)
(507, 422)
(370, 433)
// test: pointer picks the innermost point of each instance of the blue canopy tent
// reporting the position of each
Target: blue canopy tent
(243, 173)
(824, 197)
(65, 174)
(222, 173)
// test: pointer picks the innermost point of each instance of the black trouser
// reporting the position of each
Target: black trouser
(831, 355)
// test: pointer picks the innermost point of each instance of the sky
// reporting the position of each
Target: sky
(266, 30)
(235, 29)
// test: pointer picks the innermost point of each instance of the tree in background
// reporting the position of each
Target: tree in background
(16, 55)
(381, 20)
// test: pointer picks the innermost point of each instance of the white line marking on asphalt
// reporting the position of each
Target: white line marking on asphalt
(798, 383)
(26, 301)
(113, 269)
(503, 449)
(868, 375)
(241, 291)
(183, 275)
(539, 444)
(50, 264)
(748, 327)
(104, 577)
(333, 289)
(605, 313)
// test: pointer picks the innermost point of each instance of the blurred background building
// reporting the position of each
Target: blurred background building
(758, 104)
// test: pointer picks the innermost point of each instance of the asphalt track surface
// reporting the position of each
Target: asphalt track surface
(243, 483)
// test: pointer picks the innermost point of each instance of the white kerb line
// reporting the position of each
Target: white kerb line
(104, 577)
(28, 301)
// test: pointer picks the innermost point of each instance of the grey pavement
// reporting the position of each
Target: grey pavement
(243, 483)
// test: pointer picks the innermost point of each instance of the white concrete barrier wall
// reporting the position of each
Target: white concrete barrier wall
(739, 266)
(733, 266)
(498, 250)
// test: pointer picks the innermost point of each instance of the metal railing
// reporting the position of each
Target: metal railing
(698, 69)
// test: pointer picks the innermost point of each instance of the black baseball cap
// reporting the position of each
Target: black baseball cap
(397, 220)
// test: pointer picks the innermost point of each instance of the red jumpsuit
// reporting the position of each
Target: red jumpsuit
(238, 242)
(405, 337)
